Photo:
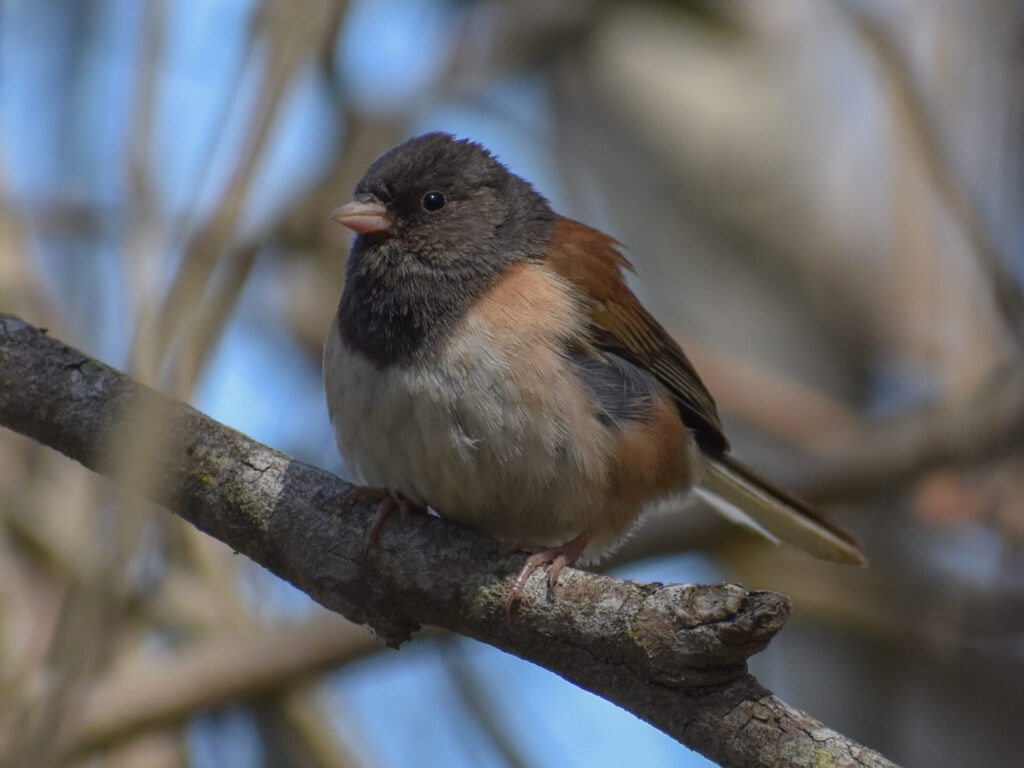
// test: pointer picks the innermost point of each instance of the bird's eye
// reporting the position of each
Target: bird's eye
(433, 201)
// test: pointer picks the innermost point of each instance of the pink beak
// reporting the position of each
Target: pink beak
(367, 215)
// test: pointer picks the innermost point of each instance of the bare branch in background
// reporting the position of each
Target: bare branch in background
(294, 35)
(900, 449)
(910, 105)
(228, 666)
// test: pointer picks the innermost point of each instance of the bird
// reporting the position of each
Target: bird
(489, 362)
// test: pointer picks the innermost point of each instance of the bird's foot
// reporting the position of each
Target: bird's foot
(559, 557)
(388, 502)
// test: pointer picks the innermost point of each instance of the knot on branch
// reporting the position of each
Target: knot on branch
(693, 635)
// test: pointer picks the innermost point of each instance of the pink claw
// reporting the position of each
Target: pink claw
(558, 557)
(389, 501)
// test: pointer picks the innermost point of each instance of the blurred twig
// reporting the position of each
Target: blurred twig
(143, 232)
(910, 105)
(483, 709)
(292, 34)
(901, 448)
(313, 729)
(152, 693)
(781, 405)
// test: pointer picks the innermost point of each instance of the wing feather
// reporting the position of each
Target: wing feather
(594, 263)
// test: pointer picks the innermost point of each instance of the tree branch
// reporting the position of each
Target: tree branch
(213, 672)
(674, 655)
(875, 459)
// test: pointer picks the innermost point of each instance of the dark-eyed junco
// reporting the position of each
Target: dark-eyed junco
(489, 361)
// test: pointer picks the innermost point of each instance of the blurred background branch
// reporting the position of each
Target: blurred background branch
(823, 200)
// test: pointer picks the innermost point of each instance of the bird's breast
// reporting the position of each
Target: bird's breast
(493, 429)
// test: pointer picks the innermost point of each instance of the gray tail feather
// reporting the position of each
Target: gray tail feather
(740, 494)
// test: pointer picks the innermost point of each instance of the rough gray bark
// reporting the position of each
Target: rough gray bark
(674, 655)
